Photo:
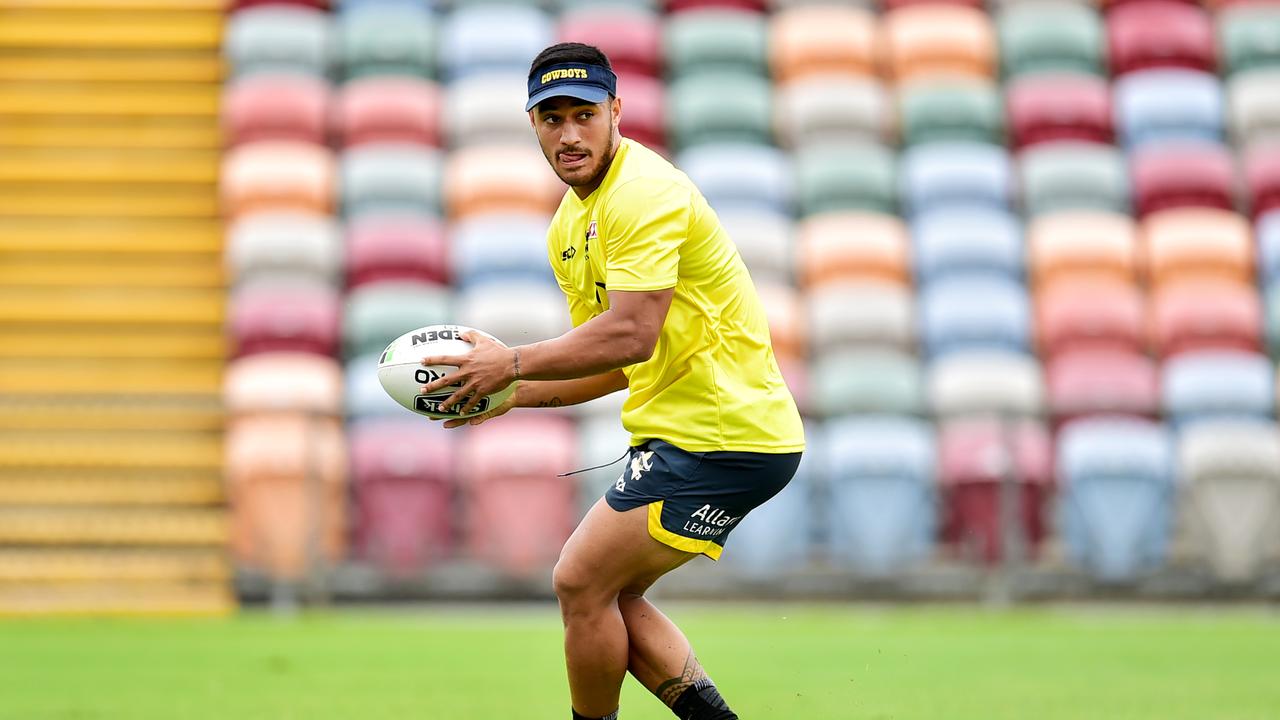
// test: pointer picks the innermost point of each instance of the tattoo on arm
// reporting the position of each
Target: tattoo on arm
(553, 402)
(672, 688)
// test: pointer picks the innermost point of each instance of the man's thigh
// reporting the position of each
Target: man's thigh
(613, 550)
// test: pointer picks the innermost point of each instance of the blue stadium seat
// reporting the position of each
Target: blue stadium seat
(985, 381)
(1217, 383)
(1168, 104)
(390, 176)
(740, 175)
(1267, 231)
(974, 311)
(278, 38)
(765, 240)
(479, 38)
(380, 312)
(500, 248)
(880, 471)
(1117, 480)
(363, 395)
(865, 380)
(284, 242)
(937, 174)
(964, 240)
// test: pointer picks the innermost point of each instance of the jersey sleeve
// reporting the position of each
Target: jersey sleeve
(644, 225)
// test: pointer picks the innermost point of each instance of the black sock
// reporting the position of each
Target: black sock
(611, 716)
(701, 701)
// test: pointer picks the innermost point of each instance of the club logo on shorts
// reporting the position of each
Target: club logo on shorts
(640, 464)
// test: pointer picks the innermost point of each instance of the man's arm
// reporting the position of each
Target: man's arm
(558, 393)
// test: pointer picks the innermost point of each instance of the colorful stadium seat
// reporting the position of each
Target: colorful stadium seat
(765, 241)
(740, 175)
(822, 40)
(284, 242)
(364, 396)
(1217, 383)
(1117, 479)
(277, 175)
(517, 512)
(716, 39)
(1075, 311)
(1159, 33)
(1049, 37)
(1205, 313)
(681, 6)
(284, 314)
(880, 472)
(785, 314)
(283, 382)
(278, 38)
(936, 174)
(381, 109)
(486, 108)
(515, 313)
(601, 440)
(499, 248)
(1073, 176)
(847, 176)
(1262, 177)
(865, 380)
(499, 37)
(1175, 175)
(631, 37)
(1167, 104)
(504, 178)
(1050, 107)
(1075, 242)
(984, 381)
(976, 458)
(377, 313)
(936, 38)
(380, 177)
(396, 246)
(1101, 381)
(1232, 472)
(1254, 106)
(1247, 37)
(950, 109)
(1196, 242)
(719, 106)
(403, 480)
(276, 106)
(966, 239)
(859, 313)
(974, 311)
(644, 117)
(779, 536)
(387, 39)
(852, 245)
(1268, 232)
(820, 109)
(238, 5)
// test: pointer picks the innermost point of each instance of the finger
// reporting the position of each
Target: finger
(441, 383)
(450, 424)
(453, 360)
(468, 336)
(457, 397)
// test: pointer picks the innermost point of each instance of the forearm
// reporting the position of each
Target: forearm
(557, 393)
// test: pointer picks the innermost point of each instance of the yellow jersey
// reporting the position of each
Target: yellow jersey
(712, 382)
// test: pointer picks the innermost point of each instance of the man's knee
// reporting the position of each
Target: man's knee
(575, 586)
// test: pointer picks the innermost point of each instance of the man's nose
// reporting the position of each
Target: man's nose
(571, 134)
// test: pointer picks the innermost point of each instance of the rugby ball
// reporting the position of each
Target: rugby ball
(402, 374)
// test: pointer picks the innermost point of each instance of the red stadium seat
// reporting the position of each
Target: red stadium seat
(1101, 381)
(1193, 242)
(976, 456)
(274, 316)
(644, 110)
(396, 247)
(1076, 242)
(1160, 33)
(504, 178)
(1044, 108)
(1089, 311)
(1262, 177)
(852, 245)
(403, 478)
(933, 38)
(757, 6)
(632, 38)
(1182, 175)
(389, 109)
(821, 40)
(518, 513)
(1206, 314)
(277, 175)
(276, 106)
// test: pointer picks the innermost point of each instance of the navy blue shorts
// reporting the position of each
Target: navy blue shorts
(696, 499)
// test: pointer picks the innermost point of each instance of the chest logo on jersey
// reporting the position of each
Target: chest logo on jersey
(568, 254)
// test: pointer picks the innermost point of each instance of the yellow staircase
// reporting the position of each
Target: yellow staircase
(111, 309)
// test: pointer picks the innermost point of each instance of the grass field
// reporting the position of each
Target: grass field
(772, 662)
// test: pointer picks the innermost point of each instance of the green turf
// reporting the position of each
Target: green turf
(772, 662)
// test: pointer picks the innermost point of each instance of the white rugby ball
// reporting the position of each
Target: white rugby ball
(402, 374)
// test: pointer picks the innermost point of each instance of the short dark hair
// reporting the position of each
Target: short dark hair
(569, 52)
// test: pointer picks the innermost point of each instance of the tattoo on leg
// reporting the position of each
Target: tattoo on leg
(672, 688)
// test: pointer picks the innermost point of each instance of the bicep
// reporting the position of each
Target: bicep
(646, 310)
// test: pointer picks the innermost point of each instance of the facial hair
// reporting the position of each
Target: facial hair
(605, 161)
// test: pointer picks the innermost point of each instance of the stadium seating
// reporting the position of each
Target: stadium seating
(516, 313)
(602, 442)
(396, 246)
(1117, 480)
(937, 38)
(963, 240)
(283, 314)
(284, 243)
(1268, 244)
(984, 381)
(477, 38)
(1051, 107)
(1232, 472)
(276, 106)
(377, 313)
(1049, 37)
(1167, 175)
(363, 396)
(950, 109)
(279, 38)
(1199, 314)
(484, 108)
(880, 470)
(282, 382)
(1167, 104)
(859, 312)
(870, 380)
(819, 109)
(828, 251)
(1217, 383)
(845, 177)
(764, 240)
(1253, 109)
(645, 117)
(503, 178)
(1159, 33)
(499, 248)
(631, 37)
(1073, 176)
(1101, 381)
(1262, 177)
(719, 106)
(388, 109)
(1089, 311)
(740, 175)
(937, 174)
(779, 535)
(714, 39)
(1076, 242)
(785, 315)
(1246, 37)
(277, 175)
(384, 39)
(822, 40)
(974, 311)
(1197, 242)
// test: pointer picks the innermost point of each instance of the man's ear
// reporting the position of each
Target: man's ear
(533, 120)
(616, 105)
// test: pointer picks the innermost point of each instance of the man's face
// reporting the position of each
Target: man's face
(577, 138)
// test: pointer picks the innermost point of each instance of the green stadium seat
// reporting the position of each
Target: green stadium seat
(280, 38)
(716, 39)
(720, 107)
(387, 39)
(855, 176)
(869, 380)
(1247, 37)
(378, 313)
(1073, 176)
(951, 109)
(1056, 36)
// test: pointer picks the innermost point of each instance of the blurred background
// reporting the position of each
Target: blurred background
(1019, 261)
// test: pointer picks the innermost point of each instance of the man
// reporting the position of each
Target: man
(663, 305)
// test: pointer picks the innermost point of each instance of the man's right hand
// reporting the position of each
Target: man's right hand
(501, 409)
